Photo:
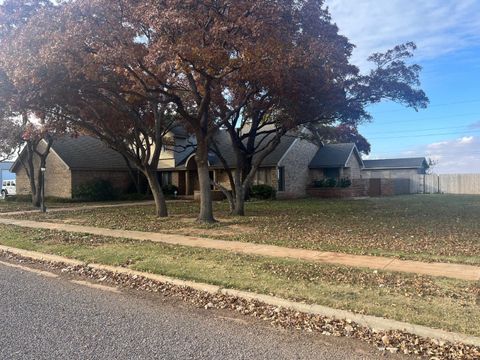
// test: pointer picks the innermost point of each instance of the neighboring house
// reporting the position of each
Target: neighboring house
(394, 168)
(74, 161)
(5, 173)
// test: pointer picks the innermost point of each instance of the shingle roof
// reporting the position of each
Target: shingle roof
(403, 163)
(225, 147)
(179, 131)
(86, 152)
(332, 156)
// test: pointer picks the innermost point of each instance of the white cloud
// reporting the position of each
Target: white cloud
(453, 156)
(466, 140)
(437, 27)
(437, 145)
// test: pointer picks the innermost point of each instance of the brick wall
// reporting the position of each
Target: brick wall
(221, 177)
(353, 168)
(265, 175)
(120, 179)
(295, 163)
(361, 188)
(389, 174)
(58, 180)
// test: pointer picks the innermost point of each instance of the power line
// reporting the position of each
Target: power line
(436, 105)
(465, 128)
(423, 135)
(423, 119)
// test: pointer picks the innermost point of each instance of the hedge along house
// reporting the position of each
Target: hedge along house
(74, 161)
(285, 169)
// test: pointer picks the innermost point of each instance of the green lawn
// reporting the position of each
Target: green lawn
(442, 303)
(421, 227)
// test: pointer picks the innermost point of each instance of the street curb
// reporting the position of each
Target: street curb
(373, 322)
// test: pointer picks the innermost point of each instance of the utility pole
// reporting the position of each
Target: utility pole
(42, 193)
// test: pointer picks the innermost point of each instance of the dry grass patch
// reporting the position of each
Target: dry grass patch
(422, 227)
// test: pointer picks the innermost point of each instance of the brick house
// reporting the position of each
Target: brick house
(291, 168)
(285, 169)
(74, 161)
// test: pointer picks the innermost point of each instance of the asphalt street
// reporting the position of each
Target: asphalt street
(44, 317)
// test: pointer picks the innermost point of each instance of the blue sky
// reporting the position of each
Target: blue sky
(447, 34)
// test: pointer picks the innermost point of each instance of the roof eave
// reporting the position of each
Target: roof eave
(393, 168)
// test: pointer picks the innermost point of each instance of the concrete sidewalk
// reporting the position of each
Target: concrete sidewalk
(456, 271)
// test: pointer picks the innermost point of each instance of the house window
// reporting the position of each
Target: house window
(281, 178)
(166, 178)
(332, 173)
(211, 174)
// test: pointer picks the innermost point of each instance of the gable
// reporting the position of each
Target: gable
(334, 156)
(224, 144)
(83, 153)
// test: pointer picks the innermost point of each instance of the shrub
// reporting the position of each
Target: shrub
(169, 190)
(19, 198)
(96, 190)
(331, 183)
(263, 192)
(345, 183)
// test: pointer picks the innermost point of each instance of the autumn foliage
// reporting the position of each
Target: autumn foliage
(127, 71)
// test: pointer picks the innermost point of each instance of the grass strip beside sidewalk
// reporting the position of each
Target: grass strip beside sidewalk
(440, 228)
(448, 304)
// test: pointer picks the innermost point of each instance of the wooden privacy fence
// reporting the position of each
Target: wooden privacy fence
(468, 184)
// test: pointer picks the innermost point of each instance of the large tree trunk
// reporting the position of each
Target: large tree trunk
(158, 196)
(242, 183)
(239, 209)
(30, 171)
(206, 205)
(38, 182)
(36, 200)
